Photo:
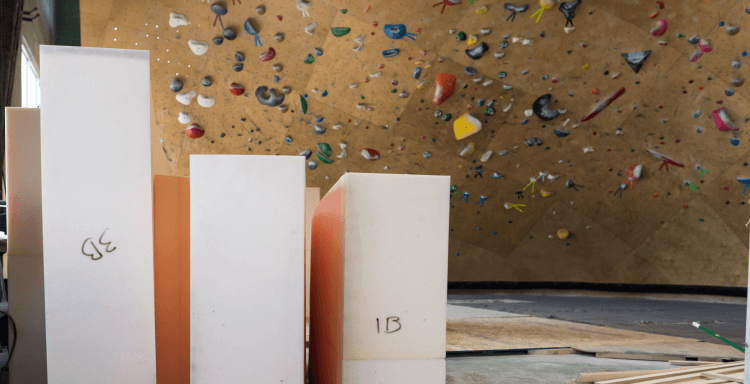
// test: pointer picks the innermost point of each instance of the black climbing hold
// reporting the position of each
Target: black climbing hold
(542, 34)
(222, 135)
(636, 59)
(541, 109)
(480, 102)
(568, 9)
(238, 56)
(176, 85)
(206, 82)
(694, 40)
(515, 9)
(273, 100)
(729, 92)
(477, 52)
(537, 141)
(218, 9)
(229, 34)
(417, 73)
(560, 132)
(606, 73)
(218, 40)
(461, 36)
(237, 67)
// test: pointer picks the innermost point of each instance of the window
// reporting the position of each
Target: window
(29, 80)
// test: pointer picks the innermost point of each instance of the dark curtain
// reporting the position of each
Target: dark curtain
(10, 37)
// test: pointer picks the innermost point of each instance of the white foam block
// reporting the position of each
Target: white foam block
(25, 263)
(394, 371)
(96, 189)
(247, 260)
(395, 266)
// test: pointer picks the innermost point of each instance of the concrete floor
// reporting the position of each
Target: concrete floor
(536, 369)
(665, 317)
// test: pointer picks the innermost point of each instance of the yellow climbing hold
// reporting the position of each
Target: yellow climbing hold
(482, 10)
(418, 63)
(563, 234)
(468, 150)
(585, 66)
(472, 39)
(465, 126)
(545, 193)
(429, 64)
(544, 4)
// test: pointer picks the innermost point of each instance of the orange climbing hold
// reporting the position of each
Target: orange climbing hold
(594, 91)
(446, 85)
(654, 15)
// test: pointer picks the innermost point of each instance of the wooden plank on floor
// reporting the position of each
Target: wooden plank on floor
(589, 377)
(689, 363)
(687, 373)
(735, 378)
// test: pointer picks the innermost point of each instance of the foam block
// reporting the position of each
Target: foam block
(247, 265)
(379, 272)
(97, 223)
(25, 249)
(172, 278)
(410, 371)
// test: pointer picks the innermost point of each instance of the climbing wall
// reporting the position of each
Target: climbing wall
(552, 200)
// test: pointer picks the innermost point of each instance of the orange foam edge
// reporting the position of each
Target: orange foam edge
(327, 288)
(172, 278)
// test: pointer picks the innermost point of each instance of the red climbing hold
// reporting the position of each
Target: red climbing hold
(268, 55)
(660, 4)
(236, 89)
(194, 131)
(659, 28)
(446, 85)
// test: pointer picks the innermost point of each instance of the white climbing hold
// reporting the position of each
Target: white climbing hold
(376, 74)
(568, 30)
(343, 150)
(486, 156)
(206, 101)
(303, 6)
(478, 79)
(527, 42)
(276, 67)
(484, 31)
(311, 28)
(452, 31)
(198, 47)
(486, 83)
(552, 178)
(506, 109)
(185, 118)
(354, 86)
(565, 122)
(562, 111)
(499, 55)
(186, 98)
(360, 39)
(175, 20)
(516, 40)
(337, 126)
(358, 48)
(283, 108)
(588, 149)
(528, 112)
(361, 107)
(315, 90)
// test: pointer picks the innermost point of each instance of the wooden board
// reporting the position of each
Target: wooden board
(97, 222)
(247, 271)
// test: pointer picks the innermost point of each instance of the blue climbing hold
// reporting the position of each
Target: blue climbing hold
(397, 31)
(744, 53)
(390, 52)
(319, 120)
(721, 23)
(494, 233)
(288, 139)
(735, 142)
(318, 52)
(525, 121)
(470, 71)
(324, 93)
(398, 119)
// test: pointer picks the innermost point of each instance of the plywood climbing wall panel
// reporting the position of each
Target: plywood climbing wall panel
(98, 240)
(379, 273)
(247, 265)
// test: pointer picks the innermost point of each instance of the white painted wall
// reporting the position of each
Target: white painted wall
(247, 263)
(96, 181)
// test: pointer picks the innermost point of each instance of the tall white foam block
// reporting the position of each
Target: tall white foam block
(379, 279)
(247, 260)
(98, 237)
(25, 263)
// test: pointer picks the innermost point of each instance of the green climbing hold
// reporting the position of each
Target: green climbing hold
(501, 75)
(680, 35)
(446, 117)
(421, 101)
(637, 82)
(325, 148)
(309, 59)
(304, 104)
(569, 52)
(701, 219)
(460, 36)
(710, 77)
(323, 159)
(362, 97)
(340, 31)
(393, 90)
(343, 11)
